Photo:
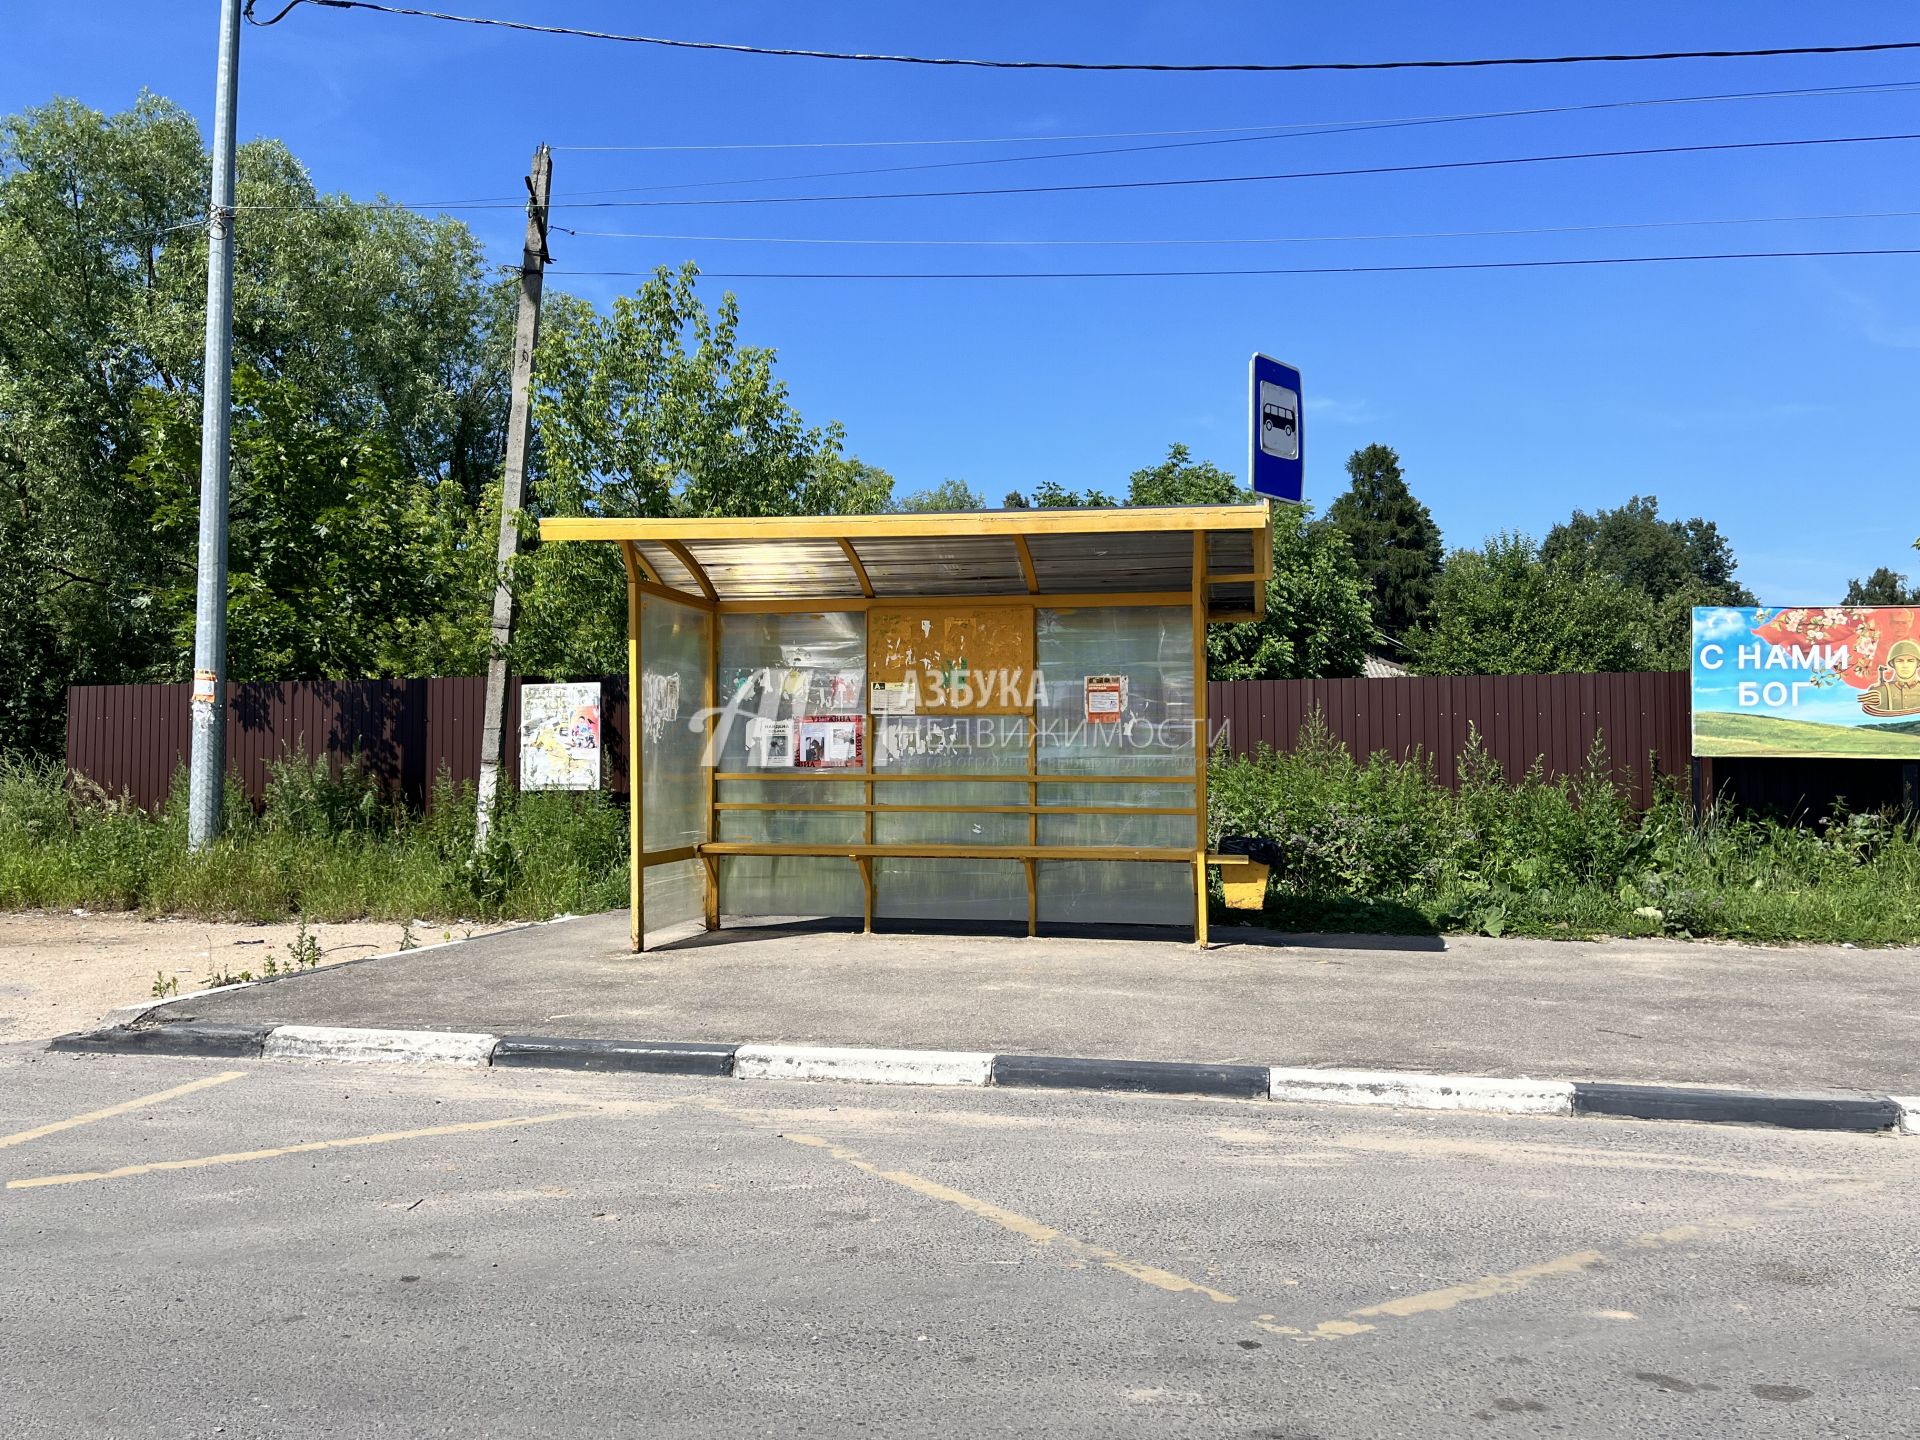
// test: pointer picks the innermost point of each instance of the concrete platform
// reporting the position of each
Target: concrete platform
(1821, 1018)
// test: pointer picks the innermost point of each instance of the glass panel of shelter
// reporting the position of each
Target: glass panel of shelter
(789, 686)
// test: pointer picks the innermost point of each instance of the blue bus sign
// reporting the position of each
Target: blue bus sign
(1277, 463)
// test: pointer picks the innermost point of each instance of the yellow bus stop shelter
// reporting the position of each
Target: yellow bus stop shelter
(963, 718)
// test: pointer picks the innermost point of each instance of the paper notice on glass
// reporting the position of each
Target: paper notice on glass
(769, 744)
(830, 742)
(1106, 698)
(897, 698)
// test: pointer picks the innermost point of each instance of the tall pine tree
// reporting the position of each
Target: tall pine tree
(1395, 542)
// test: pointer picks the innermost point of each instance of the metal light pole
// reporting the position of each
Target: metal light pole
(207, 771)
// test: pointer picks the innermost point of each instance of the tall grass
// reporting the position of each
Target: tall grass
(1381, 844)
(325, 845)
(1363, 845)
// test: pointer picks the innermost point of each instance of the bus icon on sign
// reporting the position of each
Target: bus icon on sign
(1279, 421)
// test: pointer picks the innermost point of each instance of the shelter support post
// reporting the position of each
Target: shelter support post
(710, 765)
(636, 778)
(1200, 727)
(1033, 811)
(872, 744)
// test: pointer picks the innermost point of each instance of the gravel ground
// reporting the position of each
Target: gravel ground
(62, 971)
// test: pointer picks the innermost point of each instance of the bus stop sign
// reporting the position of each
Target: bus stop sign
(1277, 463)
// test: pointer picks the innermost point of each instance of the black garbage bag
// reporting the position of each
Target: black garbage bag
(1257, 848)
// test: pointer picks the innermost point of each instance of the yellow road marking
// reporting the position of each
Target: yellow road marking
(122, 1108)
(1487, 1286)
(470, 1128)
(1523, 1152)
(1024, 1226)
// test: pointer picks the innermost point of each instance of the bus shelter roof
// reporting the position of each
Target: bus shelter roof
(1086, 557)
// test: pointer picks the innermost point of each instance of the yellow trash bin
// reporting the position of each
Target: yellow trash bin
(1244, 882)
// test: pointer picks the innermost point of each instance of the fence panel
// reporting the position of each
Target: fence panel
(132, 739)
(1521, 719)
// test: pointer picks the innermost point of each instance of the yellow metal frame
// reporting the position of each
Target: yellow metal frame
(675, 535)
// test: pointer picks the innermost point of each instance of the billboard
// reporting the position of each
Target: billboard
(560, 736)
(1834, 681)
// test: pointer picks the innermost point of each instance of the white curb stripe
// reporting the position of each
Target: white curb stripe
(353, 1045)
(1909, 1113)
(1424, 1092)
(877, 1067)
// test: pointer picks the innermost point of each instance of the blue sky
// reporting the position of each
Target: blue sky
(1776, 397)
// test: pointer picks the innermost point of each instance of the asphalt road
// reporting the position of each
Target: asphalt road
(273, 1249)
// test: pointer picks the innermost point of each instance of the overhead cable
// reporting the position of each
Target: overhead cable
(1244, 67)
(1290, 270)
(1874, 88)
(998, 242)
(1091, 186)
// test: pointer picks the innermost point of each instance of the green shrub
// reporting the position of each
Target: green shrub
(1383, 844)
(1373, 845)
(326, 844)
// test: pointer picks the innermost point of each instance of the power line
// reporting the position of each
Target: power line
(1241, 134)
(1086, 187)
(1346, 172)
(1247, 240)
(1284, 132)
(1292, 68)
(1291, 270)
(1864, 89)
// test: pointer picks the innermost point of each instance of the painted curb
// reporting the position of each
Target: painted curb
(875, 1067)
(1158, 1077)
(231, 1042)
(641, 1056)
(1414, 1091)
(350, 1045)
(863, 1065)
(1735, 1107)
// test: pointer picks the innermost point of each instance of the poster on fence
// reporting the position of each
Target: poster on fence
(1836, 681)
(560, 736)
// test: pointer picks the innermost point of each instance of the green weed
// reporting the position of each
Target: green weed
(1381, 844)
(325, 846)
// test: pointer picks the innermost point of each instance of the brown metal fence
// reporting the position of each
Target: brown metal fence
(1641, 718)
(133, 738)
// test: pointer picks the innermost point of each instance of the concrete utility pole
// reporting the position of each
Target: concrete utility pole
(206, 774)
(526, 334)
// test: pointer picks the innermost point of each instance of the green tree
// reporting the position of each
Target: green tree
(950, 496)
(1181, 480)
(1395, 542)
(1318, 624)
(657, 409)
(1506, 609)
(384, 324)
(861, 488)
(1052, 495)
(1675, 564)
(1882, 587)
(338, 557)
